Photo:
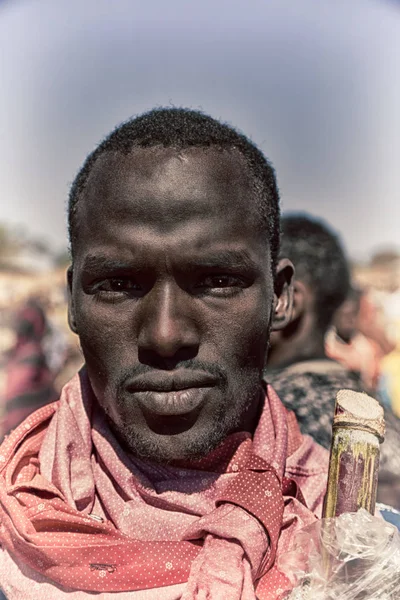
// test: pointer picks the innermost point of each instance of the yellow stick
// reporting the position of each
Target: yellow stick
(358, 429)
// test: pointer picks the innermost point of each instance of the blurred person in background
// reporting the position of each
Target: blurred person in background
(55, 346)
(375, 324)
(29, 382)
(298, 367)
(346, 342)
(389, 383)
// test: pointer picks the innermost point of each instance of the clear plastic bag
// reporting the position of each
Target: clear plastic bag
(353, 557)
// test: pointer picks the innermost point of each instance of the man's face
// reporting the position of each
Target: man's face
(171, 295)
(346, 319)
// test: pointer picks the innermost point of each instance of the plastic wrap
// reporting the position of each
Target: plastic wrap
(352, 557)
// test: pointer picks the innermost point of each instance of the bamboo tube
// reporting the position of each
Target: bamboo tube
(358, 429)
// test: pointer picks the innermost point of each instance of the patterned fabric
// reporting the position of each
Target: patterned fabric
(29, 382)
(309, 389)
(78, 513)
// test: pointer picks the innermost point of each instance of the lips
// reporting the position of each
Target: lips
(171, 395)
(172, 403)
(174, 382)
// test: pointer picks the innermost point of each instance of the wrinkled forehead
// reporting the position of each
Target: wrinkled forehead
(167, 185)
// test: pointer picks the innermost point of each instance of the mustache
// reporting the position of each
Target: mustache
(139, 370)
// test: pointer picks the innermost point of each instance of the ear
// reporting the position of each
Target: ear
(71, 310)
(283, 295)
(299, 299)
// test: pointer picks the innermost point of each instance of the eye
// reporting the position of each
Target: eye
(118, 286)
(221, 285)
(221, 281)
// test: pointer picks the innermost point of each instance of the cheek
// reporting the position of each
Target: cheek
(241, 332)
(102, 331)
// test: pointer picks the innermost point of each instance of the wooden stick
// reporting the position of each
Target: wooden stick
(358, 429)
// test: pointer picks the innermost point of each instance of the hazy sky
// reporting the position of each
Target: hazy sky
(316, 83)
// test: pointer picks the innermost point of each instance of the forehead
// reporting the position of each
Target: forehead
(169, 192)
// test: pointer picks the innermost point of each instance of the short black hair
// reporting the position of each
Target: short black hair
(319, 260)
(181, 128)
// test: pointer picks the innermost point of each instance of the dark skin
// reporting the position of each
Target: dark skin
(302, 338)
(173, 298)
(346, 319)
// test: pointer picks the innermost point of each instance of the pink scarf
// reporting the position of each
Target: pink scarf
(79, 510)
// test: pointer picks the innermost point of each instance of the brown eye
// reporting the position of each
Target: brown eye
(221, 281)
(221, 285)
(116, 285)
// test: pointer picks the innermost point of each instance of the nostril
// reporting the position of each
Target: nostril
(168, 363)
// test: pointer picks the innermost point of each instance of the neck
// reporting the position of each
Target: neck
(251, 416)
(305, 341)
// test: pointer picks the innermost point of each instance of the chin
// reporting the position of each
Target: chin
(189, 437)
(189, 445)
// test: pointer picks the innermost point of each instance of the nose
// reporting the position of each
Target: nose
(168, 330)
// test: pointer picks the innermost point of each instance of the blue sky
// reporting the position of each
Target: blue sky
(315, 83)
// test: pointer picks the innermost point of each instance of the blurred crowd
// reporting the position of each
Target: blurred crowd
(38, 352)
(344, 333)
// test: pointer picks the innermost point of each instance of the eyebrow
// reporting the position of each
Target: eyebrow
(234, 259)
(98, 264)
